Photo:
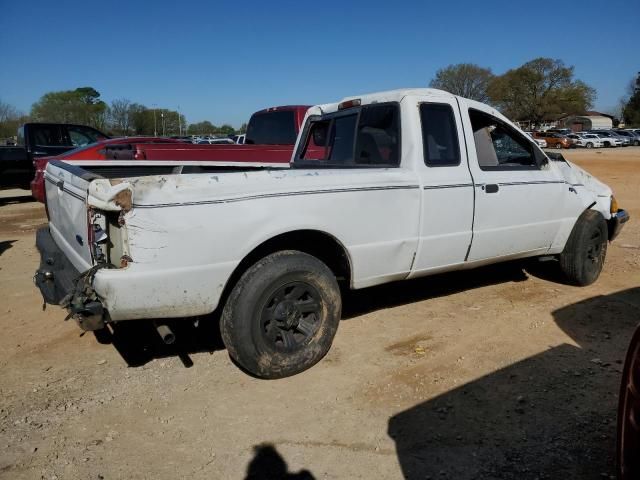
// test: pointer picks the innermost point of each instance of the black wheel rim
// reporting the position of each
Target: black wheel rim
(594, 247)
(291, 316)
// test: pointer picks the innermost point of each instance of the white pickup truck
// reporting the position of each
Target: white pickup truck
(381, 187)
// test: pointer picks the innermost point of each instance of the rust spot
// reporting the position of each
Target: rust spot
(123, 200)
(125, 260)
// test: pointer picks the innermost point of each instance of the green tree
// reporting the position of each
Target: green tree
(464, 79)
(631, 113)
(170, 122)
(141, 119)
(631, 110)
(540, 90)
(243, 128)
(202, 128)
(225, 130)
(82, 105)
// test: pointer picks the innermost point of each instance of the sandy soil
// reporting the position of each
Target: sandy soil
(501, 372)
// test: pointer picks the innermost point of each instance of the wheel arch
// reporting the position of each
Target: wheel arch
(322, 245)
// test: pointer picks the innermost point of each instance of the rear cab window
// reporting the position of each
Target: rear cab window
(367, 136)
(272, 128)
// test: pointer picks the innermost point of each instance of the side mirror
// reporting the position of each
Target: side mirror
(541, 158)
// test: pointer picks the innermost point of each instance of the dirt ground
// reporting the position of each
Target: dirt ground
(501, 372)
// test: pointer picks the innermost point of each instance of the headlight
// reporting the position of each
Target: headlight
(614, 205)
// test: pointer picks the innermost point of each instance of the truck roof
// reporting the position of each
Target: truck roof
(386, 96)
(397, 96)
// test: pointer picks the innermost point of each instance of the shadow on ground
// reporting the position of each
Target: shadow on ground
(360, 302)
(27, 198)
(138, 342)
(551, 416)
(6, 245)
(268, 464)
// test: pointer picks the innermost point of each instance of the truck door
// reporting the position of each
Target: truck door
(519, 197)
(447, 187)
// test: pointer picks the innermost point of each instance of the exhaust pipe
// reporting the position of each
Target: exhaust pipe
(166, 334)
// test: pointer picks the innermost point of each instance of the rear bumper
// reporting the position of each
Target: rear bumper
(56, 276)
(616, 223)
(58, 280)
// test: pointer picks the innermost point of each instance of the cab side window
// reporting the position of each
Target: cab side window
(439, 135)
(499, 146)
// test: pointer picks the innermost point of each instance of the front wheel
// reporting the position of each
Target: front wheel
(559, 146)
(282, 315)
(583, 256)
(589, 145)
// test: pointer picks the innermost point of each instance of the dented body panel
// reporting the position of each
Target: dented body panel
(174, 241)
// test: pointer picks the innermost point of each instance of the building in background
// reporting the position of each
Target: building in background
(588, 121)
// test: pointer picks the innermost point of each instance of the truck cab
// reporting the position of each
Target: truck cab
(36, 140)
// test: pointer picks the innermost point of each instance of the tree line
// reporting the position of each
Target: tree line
(540, 90)
(122, 117)
(537, 91)
(631, 103)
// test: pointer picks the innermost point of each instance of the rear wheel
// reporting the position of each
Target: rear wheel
(282, 315)
(583, 256)
(559, 146)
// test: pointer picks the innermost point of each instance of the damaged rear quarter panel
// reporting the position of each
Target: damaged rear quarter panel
(187, 233)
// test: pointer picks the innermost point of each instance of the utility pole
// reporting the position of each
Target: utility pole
(162, 117)
(155, 125)
(179, 122)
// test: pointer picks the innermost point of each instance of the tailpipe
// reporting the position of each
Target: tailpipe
(167, 336)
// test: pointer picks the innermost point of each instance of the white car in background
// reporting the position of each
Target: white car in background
(609, 141)
(216, 141)
(541, 142)
(586, 140)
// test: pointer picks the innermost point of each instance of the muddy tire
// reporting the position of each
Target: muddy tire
(282, 315)
(583, 256)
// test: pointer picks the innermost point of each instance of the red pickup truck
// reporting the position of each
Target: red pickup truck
(271, 135)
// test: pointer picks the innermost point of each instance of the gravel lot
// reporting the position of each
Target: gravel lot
(500, 372)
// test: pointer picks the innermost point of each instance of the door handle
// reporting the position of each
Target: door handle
(491, 188)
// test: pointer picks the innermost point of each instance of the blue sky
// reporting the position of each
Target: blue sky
(221, 61)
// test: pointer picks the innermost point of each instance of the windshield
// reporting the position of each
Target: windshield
(272, 128)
